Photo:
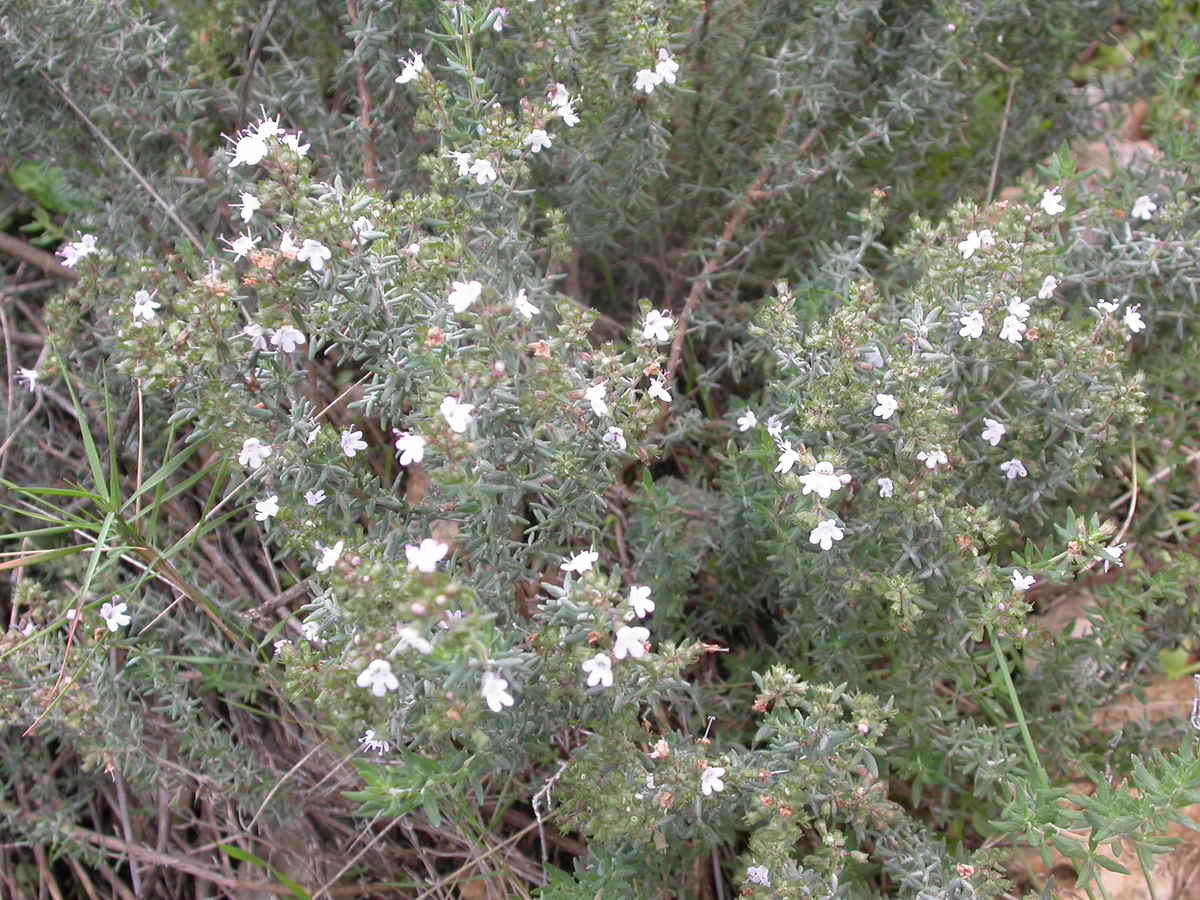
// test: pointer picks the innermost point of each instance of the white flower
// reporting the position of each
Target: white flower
(1049, 286)
(747, 420)
(581, 562)
(595, 396)
(462, 161)
(788, 457)
(631, 641)
(710, 780)
(972, 325)
(758, 875)
(144, 306)
(483, 171)
(457, 415)
(268, 127)
(292, 142)
(1143, 207)
(1052, 202)
(774, 426)
(411, 448)
(257, 335)
(413, 67)
(253, 453)
(495, 692)
(615, 437)
(657, 326)
(378, 677)
(523, 306)
(1133, 319)
(280, 646)
(566, 112)
(311, 631)
(826, 533)
(29, 376)
(287, 246)
(463, 294)
(249, 206)
(352, 442)
(822, 480)
(887, 406)
(887, 487)
(1013, 468)
(249, 149)
(933, 457)
(72, 253)
(329, 556)
(658, 390)
(1114, 550)
(287, 338)
(410, 639)
(242, 245)
(314, 498)
(1018, 308)
(1021, 582)
(114, 615)
(973, 243)
(1105, 307)
(646, 80)
(537, 140)
(265, 509)
(993, 431)
(557, 95)
(312, 435)
(599, 670)
(639, 600)
(374, 744)
(315, 254)
(1012, 330)
(498, 24)
(361, 226)
(425, 557)
(666, 68)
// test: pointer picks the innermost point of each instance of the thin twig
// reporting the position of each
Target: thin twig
(167, 208)
(256, 39)
(1012, 84)
(364, 109)
(749, 198)
(32, 255)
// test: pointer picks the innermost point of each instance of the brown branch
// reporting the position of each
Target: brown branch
(364, 111)
(750, 197)
(21, 250)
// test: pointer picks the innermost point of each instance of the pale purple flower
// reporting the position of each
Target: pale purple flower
(457, 415)
(73, 252)
(257, 335)
(329, 556)
(144, 307)
(352, 442)
(615, 438)
(666, 68)
(314, 498)
(114, 615)
(933, 457)
(1049, 286)
(993, 431)
(314, 253)
(1013, 468)
(758, 875)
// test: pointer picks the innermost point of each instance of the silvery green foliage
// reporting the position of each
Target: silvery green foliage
(474, 514)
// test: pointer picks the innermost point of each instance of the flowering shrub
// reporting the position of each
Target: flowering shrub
(735, 580)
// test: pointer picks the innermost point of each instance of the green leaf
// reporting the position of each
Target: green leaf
(245, 856)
